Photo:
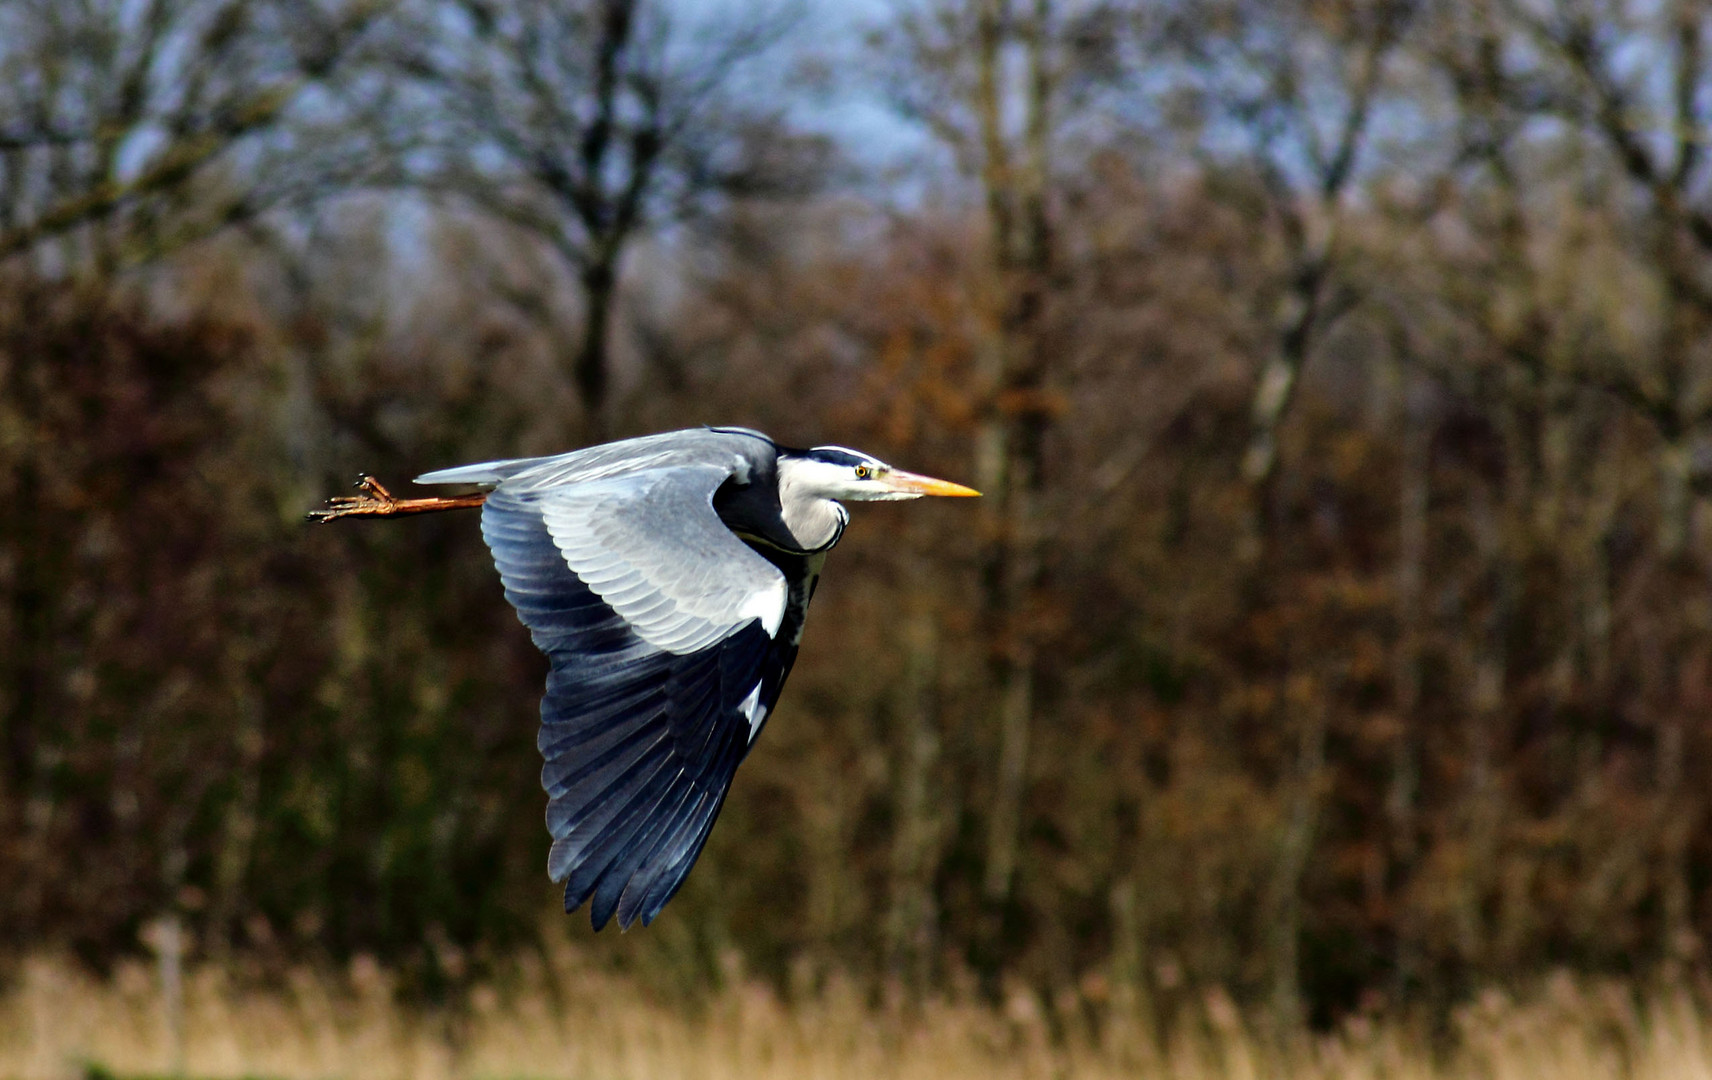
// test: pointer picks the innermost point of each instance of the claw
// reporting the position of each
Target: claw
(374, 488)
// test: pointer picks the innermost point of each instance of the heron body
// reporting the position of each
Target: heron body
(667, 579)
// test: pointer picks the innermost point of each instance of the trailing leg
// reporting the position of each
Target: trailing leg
(376, 501)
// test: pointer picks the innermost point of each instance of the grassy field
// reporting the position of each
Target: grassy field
(561, 1019)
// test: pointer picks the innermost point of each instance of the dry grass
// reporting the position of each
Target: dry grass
(564, 1019)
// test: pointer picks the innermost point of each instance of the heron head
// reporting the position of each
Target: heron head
(836, 472)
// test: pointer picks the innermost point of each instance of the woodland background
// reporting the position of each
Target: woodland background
(1336, 631)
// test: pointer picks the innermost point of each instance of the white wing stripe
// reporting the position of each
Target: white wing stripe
(768, 606)
(753, 711)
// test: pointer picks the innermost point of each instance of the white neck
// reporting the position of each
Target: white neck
(814, 519)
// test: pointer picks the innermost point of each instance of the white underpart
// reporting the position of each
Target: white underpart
(754, 711)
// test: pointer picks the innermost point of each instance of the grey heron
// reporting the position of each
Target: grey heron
(666, 578)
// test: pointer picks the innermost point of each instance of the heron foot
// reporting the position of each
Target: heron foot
(374, 500)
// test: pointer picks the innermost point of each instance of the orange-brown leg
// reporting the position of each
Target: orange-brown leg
(376, 501)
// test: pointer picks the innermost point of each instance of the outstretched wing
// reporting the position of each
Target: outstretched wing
(660, 625)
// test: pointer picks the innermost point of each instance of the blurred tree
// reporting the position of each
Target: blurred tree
(124, 127)
(1290, 95)
(987, 78)
(1629, 85)
(1282, 101)
(1444, 726)
(587, 123)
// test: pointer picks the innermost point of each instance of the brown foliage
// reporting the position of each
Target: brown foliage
(1421, 704)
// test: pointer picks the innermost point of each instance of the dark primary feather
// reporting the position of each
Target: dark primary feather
(639, 744)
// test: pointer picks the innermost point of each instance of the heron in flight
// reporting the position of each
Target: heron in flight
(666, 578)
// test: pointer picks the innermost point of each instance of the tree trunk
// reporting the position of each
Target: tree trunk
(1130, 1031)
(592, 366)
(1272, 396)
(1299, 319)
(1010, 442)
(33, 758)
(1675, 471)
(1597, 613)
(1016, 714)
(1676, 833)
(1674, 814)
(238, 834)
(28, 619)
(910, 923)
(1485, 667)
(1403, 786)
(1295, 847)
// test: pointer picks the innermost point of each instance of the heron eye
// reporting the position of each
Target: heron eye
(863, 472)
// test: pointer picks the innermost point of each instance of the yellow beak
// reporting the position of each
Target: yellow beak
(916, 484)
